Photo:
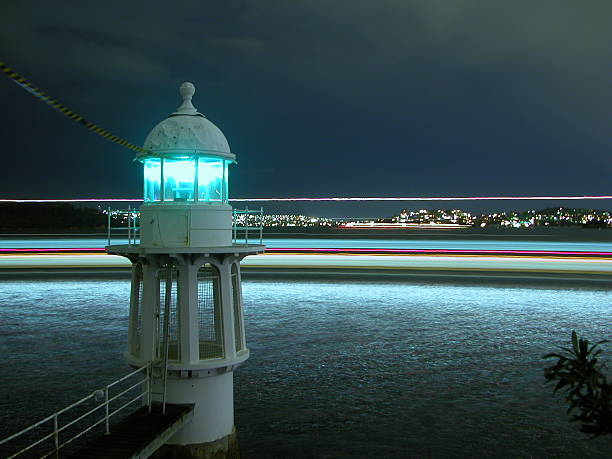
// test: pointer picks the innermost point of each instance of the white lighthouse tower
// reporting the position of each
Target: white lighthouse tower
(186, 303)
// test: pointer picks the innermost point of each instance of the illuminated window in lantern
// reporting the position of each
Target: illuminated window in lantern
(225, 181)
(152, 179)
(212, 180)
(179, 176)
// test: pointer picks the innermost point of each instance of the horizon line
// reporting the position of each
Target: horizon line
(340, 199)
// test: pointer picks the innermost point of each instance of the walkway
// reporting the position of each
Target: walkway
(138, 435)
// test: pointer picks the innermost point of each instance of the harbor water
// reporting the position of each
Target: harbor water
(338, 368)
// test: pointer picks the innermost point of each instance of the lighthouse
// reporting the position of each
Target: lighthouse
(185, 316)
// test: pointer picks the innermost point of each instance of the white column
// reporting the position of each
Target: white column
(238, 291)
(133, 346)
(227, 307)
(150, 309)
(188, 326)
(213, 416)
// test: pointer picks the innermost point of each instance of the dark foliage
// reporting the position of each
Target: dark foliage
(49, 216)
(579, 373)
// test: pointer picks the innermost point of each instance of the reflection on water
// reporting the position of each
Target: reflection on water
(350, 369)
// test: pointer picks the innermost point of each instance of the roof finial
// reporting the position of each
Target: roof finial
(187, 91)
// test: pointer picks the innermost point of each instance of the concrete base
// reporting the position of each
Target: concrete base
(213, 415)
(223, 448)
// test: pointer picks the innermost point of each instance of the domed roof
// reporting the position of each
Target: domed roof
(187, 131)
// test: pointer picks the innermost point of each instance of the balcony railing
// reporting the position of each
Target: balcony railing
(247, 225)
(128, 219)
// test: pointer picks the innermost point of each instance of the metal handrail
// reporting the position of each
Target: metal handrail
(95, 394)
(132, 229)
(243, 237)
(240, 233)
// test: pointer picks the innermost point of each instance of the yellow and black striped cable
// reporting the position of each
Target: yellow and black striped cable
(21, 81)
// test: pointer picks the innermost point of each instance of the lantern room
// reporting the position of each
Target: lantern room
(185, 162)
(187, 158)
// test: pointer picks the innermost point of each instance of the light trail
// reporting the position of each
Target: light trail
(344, 199)
(523, 265)
(325, 250)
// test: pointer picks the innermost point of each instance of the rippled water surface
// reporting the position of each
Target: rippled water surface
(337, 369)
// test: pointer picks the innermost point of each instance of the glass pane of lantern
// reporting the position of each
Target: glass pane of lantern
(225, 181)
(210, 180)
(152, 179)
(179, 175)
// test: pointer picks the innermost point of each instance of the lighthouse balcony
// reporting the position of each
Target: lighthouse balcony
(203, 367)
(179, 225)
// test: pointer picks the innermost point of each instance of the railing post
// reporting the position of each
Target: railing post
(107, 431)
(260, 225)
(149, 374)
(233, 226)
(129, 215)
(109, 224)
(56, 435)
(246, 226)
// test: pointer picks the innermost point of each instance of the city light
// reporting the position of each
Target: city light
(431, 198)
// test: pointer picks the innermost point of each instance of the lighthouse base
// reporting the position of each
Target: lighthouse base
(223, 448)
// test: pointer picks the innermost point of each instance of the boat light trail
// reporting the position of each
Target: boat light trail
(327, 250)
(343, 199)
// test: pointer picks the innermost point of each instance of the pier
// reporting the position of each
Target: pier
(140, 434)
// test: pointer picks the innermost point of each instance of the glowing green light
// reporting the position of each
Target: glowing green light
(152, 179)
(210, 179)
(174, 179)
(179, 177)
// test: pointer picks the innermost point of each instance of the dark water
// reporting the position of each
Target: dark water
(338, 369)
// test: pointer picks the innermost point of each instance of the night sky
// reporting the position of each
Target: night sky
(317, 98)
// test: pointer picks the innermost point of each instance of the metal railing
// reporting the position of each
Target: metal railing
(101, 394)
(247, 226)
(132, 215)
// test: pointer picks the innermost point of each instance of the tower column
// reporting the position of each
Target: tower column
(187, 287)
(227, 302)
(135, 309)
(241, 341)
(150, 309)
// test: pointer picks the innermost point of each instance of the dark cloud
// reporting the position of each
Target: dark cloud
(344, 97)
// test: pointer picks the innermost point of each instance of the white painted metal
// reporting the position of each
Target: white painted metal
(129, 219)
(166, 338)
(185, 225)
(187, 131)
(108, 214)
(213, 415)
(191, 225)
(199, 346)
(244, 226)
